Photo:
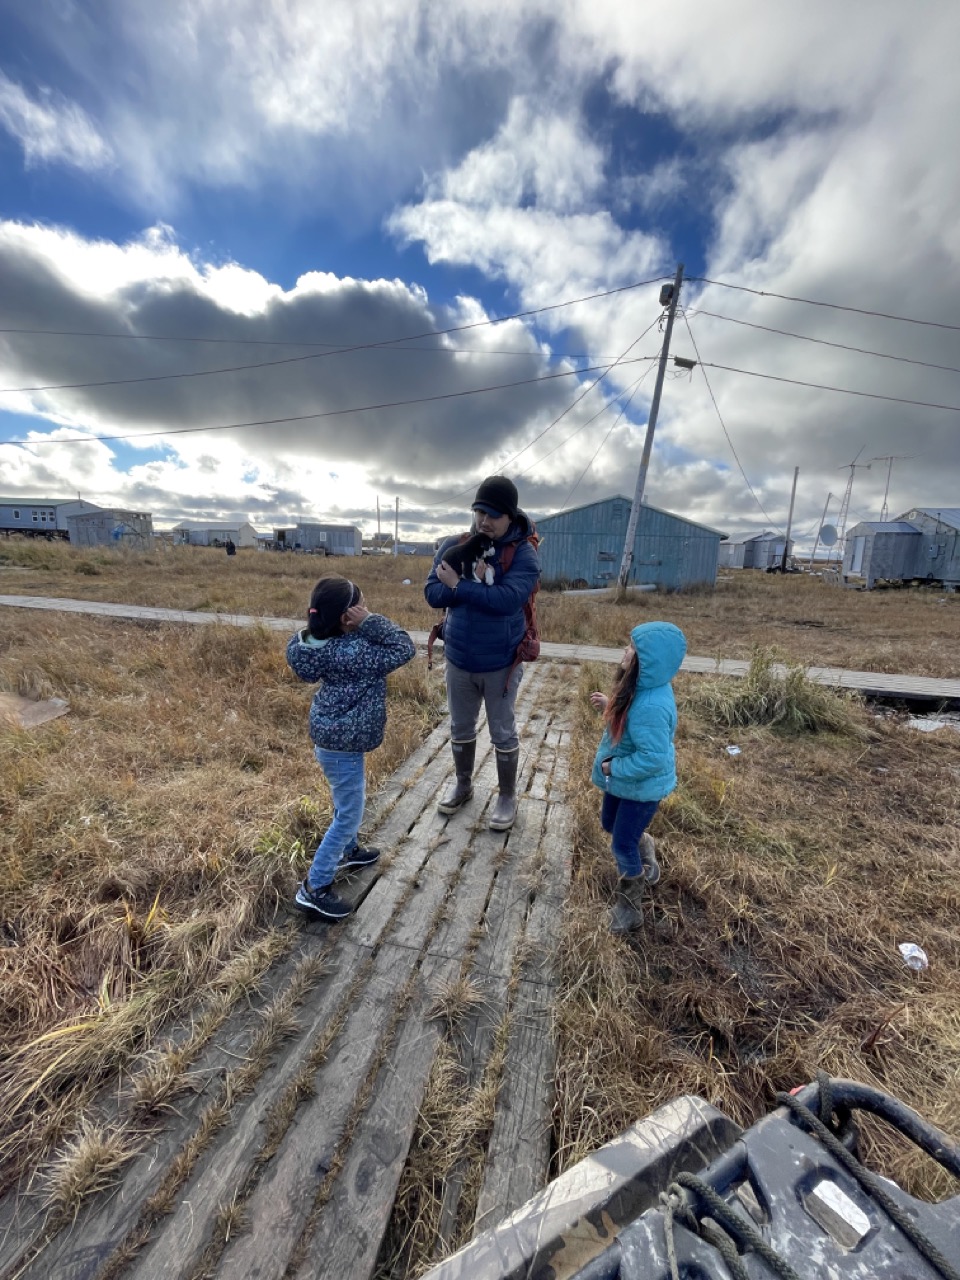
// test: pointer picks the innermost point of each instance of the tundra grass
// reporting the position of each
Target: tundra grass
(791, 873)
(147, 842)
(915, 630)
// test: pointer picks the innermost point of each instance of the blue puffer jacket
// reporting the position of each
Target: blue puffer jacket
(643, 764)
(485, 623)
(349, 710)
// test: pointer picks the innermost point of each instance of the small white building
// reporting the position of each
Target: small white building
(214, 533)
(329, 539)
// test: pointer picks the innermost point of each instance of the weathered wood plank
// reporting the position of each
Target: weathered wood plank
(352, 1222)
(430, 855)
(98, 1233)
(223, 1173)
(279, 1206)
(519, 1152)
(110, 1214)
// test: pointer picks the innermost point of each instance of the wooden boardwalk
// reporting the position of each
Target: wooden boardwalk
(877, 684)
(285, 1160)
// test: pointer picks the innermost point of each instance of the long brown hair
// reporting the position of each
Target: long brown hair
(621, 695)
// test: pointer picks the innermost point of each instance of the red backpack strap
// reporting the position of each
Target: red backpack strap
(435, 632)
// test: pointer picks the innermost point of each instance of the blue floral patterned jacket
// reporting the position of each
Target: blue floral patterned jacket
(349, 710)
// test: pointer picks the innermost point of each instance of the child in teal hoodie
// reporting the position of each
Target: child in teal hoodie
(635, 764)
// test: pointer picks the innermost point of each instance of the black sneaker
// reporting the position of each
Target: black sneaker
(357, 857)
(322, 903)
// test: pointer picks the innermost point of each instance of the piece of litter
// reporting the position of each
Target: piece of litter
(405, 583)
(30, 712)
(733, 751)
(914, 957)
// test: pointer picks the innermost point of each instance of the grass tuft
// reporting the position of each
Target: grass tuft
(786, 700)
(88, 1162)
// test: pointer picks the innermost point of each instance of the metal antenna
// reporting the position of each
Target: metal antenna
(890, 459)
(845, 504)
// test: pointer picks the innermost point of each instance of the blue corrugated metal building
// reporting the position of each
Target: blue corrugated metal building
(583, 547)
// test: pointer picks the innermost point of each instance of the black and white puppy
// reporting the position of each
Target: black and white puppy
(463, 556)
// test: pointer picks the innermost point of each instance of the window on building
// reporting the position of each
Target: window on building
(36, 516)
(16, 514)
(43, 517)
(52, 515)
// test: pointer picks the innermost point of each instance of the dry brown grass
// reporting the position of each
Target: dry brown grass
(915, 630)
(146, 840)
(791, 873)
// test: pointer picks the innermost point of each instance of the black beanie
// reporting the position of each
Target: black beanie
(499, 493)
(331, 599)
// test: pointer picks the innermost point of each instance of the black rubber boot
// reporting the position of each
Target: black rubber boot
(627, 913)
(464, 757)
(505, 810)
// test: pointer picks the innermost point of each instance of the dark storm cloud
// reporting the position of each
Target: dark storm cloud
(411, 440)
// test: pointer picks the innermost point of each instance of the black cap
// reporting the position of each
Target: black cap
(497, 496)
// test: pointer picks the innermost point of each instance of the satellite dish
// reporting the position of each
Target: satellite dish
(828, 535)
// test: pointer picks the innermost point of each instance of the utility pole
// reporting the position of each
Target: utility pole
(786, 541)
(396, 530)
(378, 522)
(629, 540)
(819, 527)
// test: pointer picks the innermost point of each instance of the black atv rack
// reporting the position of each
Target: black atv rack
(686, 1195)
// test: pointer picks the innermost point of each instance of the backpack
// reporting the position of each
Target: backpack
(528, 650)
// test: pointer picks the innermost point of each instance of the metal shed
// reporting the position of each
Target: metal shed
(111, 527)
(754, 551)
(213, 533)
(940, 554)
(583, 546)
(922, 544)
(335, 539)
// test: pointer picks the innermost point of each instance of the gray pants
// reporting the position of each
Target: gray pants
(467, 690)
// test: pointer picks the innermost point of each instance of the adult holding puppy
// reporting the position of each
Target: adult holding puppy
(483, 627)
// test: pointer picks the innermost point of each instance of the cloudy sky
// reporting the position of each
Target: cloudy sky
(373, 234)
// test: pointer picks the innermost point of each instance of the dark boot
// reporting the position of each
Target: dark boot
(505, 810)
(464, 756)
(627, 913)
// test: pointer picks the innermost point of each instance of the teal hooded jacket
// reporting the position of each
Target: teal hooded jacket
(643, 762)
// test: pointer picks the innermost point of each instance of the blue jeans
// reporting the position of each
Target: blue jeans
(343, 770)
(626, 821)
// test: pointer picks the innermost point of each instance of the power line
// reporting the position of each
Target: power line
(428, 333)
(589, 422)
(846, 391)
(833, 306)
(616, 420)
(733, 450)
(266, 364)
(864, 351)
(328, 413)
(621, 359)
